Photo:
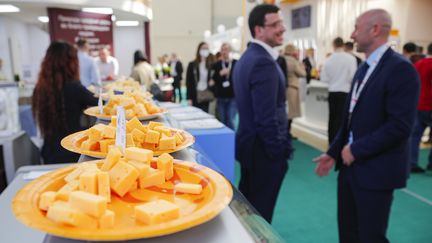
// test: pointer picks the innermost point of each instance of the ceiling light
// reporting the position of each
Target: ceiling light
(127, 23)
(43, 19)
(7, 8)
(98, 10)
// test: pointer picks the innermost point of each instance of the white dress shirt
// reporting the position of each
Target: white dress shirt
(273, 53)
(89, 74)
(109, 68)
(338, 71)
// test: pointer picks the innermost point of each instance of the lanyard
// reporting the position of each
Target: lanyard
(357, 90)
(227, 66)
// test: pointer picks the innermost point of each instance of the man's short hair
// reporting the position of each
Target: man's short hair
(338, 42)
(257, 16)
(410, 47)
(81, 43)
(349, 45)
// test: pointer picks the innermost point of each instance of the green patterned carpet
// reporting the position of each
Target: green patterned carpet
(306, 207)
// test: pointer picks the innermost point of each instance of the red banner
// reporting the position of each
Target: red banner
(71, 25)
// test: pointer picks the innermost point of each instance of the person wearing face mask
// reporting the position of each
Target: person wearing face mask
(197, 77)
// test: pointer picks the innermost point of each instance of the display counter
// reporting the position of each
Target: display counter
(239, 222)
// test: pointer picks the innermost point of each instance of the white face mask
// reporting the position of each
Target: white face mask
(204, 52)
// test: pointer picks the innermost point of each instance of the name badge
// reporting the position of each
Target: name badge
(226, 84)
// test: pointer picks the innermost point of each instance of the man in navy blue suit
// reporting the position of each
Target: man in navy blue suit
(371, 148)
(263, 145)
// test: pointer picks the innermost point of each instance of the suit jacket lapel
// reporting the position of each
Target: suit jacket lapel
(373, 75)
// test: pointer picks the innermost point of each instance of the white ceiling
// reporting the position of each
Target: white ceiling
(30, 10)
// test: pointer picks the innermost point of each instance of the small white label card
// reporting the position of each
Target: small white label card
(100, 103)
(121, 128)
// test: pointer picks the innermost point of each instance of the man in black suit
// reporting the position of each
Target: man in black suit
(176, 69)
(349, 47)
(372, 146)
(309, 63)
(263, 144)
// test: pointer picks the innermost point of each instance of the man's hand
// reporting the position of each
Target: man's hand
(324, 164)
(347, 156)
(223, 71)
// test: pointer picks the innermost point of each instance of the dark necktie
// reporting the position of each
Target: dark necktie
(361, 72)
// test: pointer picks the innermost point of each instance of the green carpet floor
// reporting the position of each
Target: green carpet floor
(306, 207)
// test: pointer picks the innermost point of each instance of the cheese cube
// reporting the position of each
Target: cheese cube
(112, 158)
(165, 163)
(122, 177)
(129, 113)
(132, 124)
(109, 132)
(133, 187)
(129, 140)
(104, 188)
(153, 178)
(46, 199)
(104, 144)
(127, 102)
(90, 145)
(88, 203)
(140, 110)
(149, 146)
(113, 122)
(138, 135)
(87, 166)
(163, 130)
(107, 220)
(139, 154)
(88, 182)
(188, 188)
(157, 212)
(143, 169)
(179, 138)
(152, 136)
(106, 110)
(63, 213)
(153, 124)
(63, 193)
(167, 143)
(95, 133)
(74, 175)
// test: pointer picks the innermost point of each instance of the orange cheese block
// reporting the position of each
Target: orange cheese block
(138, 154)
(109, 132)
(107, 220)
(104, 144)
(63, 213)
(153, 178)
(152, 136)
(132, 124)
(88, 203)
(165, 163)
(63, 193)
(138, 135)
(88, 181)
(188, 188)
(112, 158)
(122, 177)
(46, 200)
(158, 211)
(153, 124)
(167, 143)
(95, 133)
(104, 188)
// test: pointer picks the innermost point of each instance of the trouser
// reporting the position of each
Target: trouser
(363, 214)
(423, 119)
(336, 102)
(177, 87)
(261, 180)
(227, 109)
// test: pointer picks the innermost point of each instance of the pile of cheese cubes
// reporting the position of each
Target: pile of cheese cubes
(133, 103)
(154, 136)
(83, 201)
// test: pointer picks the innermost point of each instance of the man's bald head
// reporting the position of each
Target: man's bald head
(378, 17)
(372, 30)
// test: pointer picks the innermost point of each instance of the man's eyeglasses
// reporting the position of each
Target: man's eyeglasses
(276, 24)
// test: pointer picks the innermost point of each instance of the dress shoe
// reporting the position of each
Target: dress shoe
(417, 169)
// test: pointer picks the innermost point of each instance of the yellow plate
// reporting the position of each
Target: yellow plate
(194, 209)
(94, 111)
(73, 142)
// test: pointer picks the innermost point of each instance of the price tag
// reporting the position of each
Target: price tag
(100, 103)
(121, 128)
